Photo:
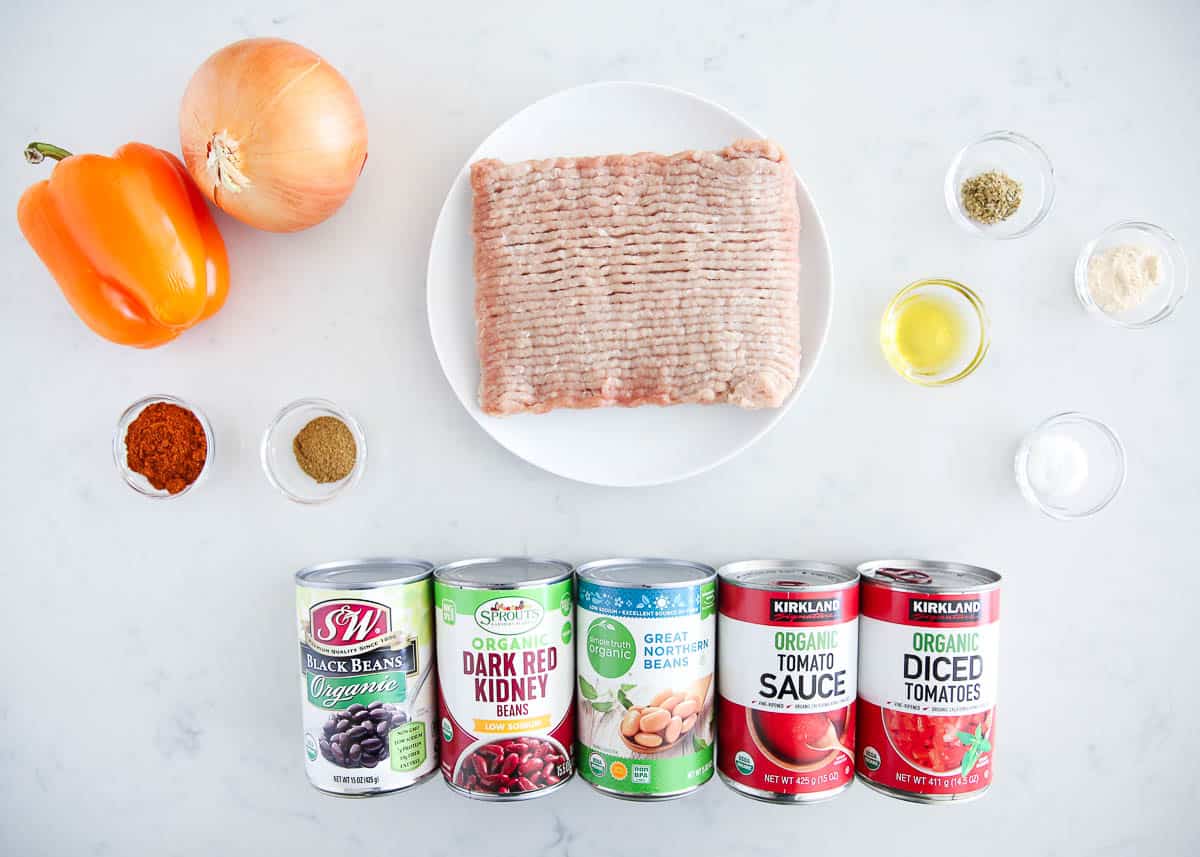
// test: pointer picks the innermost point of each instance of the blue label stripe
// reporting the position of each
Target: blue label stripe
(639, 603)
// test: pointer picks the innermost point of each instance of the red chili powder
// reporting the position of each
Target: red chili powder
(166, 444)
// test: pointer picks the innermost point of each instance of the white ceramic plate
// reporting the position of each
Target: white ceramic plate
(648, 445)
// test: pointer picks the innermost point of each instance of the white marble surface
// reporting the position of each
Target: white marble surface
(148, 700)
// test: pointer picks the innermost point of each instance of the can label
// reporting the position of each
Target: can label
(787, 679)
(507, 666)
(927, 689)
(646, 662)
(366, 686)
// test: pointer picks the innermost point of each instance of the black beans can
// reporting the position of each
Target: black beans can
(367, 675)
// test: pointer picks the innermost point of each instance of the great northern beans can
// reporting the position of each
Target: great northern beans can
(506, 656)
(646, 658)
(786, 679)
(928, 663)
(366, 674)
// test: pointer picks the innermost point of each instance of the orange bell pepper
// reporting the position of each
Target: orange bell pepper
(129, 239)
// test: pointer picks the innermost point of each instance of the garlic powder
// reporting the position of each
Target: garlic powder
(1120, 278)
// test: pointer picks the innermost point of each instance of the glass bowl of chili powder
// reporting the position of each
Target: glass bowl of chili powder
(163, 446)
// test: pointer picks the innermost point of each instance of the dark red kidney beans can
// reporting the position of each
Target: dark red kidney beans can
(787, 653)
(505, 631)
(927, 675)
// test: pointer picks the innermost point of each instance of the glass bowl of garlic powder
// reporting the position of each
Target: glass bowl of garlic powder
(1133, 274)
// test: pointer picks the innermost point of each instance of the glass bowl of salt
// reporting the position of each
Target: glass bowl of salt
(1071, 466)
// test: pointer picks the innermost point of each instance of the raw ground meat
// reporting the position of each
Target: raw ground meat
(637, 279)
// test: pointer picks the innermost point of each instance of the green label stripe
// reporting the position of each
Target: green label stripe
(466, 600)
(406, 746)
(708, 599)
(646, 776)
(334, 694)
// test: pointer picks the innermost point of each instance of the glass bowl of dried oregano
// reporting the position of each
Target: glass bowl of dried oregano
(313, 450)
(1000, 186)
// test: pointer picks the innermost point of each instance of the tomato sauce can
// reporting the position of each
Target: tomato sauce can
(506, 664)
(367, 675)
(646, 656)
(927, 676)
(786, 679)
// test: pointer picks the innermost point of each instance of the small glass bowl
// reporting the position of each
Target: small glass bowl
(137, 481)
(1173, 277)
(1105, 457)
(279, 459)
(970, 309)
(1020, 158)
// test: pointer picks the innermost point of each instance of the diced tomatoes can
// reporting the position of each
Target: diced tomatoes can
(506, 670)
(786, 679)
(927, 678)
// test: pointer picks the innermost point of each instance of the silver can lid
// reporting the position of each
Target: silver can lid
(787, 574)
(364, 573)
(503, 572)
(645, 573)
(923, 575)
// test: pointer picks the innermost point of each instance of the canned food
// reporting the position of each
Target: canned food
(927, 670)
(646, 660)
(366, 674)
(786, 679)
(505, 643)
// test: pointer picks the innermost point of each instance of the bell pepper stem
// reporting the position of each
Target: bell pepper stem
(35, 152)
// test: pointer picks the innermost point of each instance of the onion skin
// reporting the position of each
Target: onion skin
(272, 134)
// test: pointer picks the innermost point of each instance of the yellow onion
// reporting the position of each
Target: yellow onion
(272, 134)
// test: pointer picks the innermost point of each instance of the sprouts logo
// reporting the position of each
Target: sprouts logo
(350, 623)
(800, 610)
(509, 616)
(946, 611)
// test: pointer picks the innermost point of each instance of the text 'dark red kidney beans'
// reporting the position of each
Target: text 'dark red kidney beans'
(788, 663)
(506, 669)
(928, 664)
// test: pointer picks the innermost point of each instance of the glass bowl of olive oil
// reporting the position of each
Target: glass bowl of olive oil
(934, 332)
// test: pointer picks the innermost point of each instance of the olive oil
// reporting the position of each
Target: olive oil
(924, 335)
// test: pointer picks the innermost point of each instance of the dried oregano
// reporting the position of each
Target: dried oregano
(991, 197)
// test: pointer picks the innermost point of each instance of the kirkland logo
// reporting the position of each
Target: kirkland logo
(945, 611)
(801, 610)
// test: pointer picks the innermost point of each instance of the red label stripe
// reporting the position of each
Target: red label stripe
(788, 608)
(942, 610)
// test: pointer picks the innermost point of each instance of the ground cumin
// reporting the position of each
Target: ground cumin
(325, 449)
(167, 445)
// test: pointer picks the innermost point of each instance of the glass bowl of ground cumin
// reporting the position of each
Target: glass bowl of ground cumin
(313, 451)
(163, 446)
(1000, 186)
